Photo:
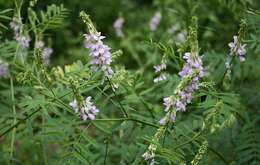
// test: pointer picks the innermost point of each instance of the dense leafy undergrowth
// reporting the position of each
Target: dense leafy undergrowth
(172, 82)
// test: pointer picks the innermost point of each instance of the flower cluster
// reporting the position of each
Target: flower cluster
(150, 154)
(192, 63)
(155, 21)
(238, 49)
(118, 25)
(86, 110)
(159, 69)
(4, 70)
(100, 54)
(22, 40)
(46, 51)
(184, 95)
(16, 25)
(179, 34)
(39, 44)
(174, 28)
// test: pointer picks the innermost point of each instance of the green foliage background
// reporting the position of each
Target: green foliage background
(37, 125)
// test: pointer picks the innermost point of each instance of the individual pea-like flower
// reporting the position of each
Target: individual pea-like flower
(173, 29)
(39, 44)
(87, 110)
(155, 21)
(23, 41)
(181, 36)
(118, 26)
(168, 102)
(159, 69)
(4, 69)
(184, 95)
(192, 62)
(161, 77)
(100, 54)
(237, 48)
(172, 118)
(16, 26)
(150, 154)
(46, 54)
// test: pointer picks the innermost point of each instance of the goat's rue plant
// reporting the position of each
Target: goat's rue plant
(171, 82)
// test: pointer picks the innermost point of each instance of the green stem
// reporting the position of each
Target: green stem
(106, 152)
(14, 114)
(222, 79)
(18, 123)
(189, 141)
(119, 102)
(219, 155)
(122, 119)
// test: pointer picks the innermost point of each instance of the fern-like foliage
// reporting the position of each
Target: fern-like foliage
(4, 17)
(53, 17)
(7, 49)
(248, 143)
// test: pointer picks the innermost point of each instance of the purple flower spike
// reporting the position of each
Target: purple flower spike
(155, 21)
(179, 102)
(101, 57)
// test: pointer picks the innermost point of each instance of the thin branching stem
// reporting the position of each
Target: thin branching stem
(14, 114)
(119, 102)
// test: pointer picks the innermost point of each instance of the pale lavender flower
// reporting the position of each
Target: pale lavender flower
(87, 110)
(46, 53)
(16, 26)
(100, 54)
(74, 105)
(181, 36)
(184, 97)
(172, 118)
(168, 102)
(161, 77)
(173, 29)
(149, 155)
(4, 70)
(180, 105)
(192, 62)
(238, 49)
(159, 69)
(118, 25)
(162, 121)
(39, 44)
(23, 41)
(155, 21)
